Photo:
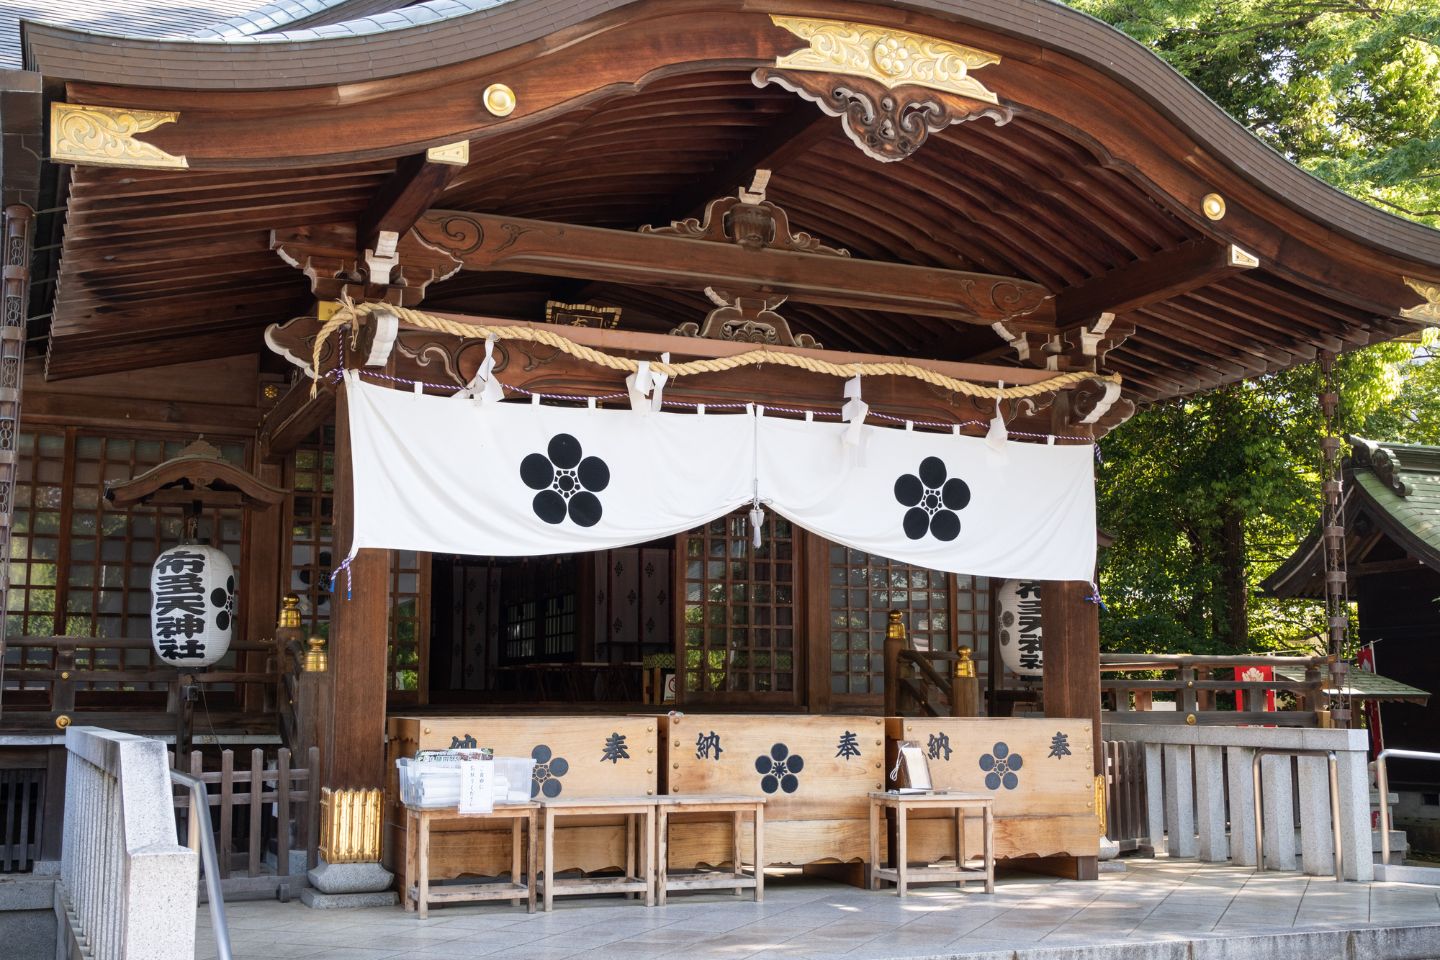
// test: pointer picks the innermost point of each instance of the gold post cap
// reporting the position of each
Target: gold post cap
(316, 659)
(895, 629)
(289, 612)
(964, 667)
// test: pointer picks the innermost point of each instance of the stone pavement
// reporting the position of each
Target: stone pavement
(1162, 909)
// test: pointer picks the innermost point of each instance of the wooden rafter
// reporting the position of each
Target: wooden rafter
(480, 241)
(1165, 275)
(401, 200)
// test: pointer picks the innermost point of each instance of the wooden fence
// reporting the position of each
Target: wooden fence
(119, 683)
(1193, 683)
(1125, 794)
(273, 798)
(22, 799)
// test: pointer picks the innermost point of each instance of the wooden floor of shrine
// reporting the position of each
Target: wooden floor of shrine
(1153, 909)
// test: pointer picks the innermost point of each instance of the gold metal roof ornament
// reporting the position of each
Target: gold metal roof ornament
(1429, 311)
(105, 136)
(888, 56)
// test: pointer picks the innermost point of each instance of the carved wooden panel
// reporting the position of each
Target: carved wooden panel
(887, 123)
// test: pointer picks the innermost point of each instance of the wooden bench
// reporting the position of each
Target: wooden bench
(416, 892)
(635, 810)
(737, 807)
(902, 803)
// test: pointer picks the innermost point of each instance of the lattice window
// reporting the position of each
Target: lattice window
(409, 619)
(942, 612)
(312, 479)
(972, 616)
(35, 542)
(739, 613)
(80, 567)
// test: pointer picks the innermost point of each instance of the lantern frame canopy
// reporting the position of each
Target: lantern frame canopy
(197, 478)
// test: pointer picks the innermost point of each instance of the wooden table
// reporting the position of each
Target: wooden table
(634, 809)
(416, 887)
(902, 804)
(737, 807)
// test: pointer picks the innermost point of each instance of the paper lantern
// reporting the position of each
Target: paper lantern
(192, 605)
(1017, 605)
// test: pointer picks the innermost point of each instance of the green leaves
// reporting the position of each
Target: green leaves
(1347, 89)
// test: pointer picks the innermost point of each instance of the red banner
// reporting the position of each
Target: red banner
(1251, 675)
(1366, 661)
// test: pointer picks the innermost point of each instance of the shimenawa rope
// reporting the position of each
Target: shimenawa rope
(349, 312)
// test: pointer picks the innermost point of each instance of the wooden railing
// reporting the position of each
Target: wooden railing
(306, 695)
(274, 798)
(1125, 799)
(117, 683)
(1191, 682)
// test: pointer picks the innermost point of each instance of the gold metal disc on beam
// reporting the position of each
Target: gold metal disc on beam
(499, 100)
(1213, 206)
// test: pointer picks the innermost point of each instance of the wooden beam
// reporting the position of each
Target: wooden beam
(488, 242)
(1165, 275)
(400, 201)
(295, 417)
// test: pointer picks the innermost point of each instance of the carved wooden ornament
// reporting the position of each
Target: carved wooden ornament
(891, 89)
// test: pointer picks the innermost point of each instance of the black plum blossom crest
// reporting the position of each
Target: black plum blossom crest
(567, 481)
(223, 600)
(548, 771)
(1000, 766)
(778, 769)
(933, 500)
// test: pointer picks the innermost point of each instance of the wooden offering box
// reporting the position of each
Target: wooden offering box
(1041, 773)
(576, 757)
(815, 773)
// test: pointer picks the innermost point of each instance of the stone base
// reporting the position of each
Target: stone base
(350, 878)
(316, 900)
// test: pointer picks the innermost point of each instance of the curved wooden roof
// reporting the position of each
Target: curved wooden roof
(635, 113)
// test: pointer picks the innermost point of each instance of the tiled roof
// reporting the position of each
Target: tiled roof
(134, 18)
(1398, 486)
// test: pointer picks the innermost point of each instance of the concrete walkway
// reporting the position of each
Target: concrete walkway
(1160, 909)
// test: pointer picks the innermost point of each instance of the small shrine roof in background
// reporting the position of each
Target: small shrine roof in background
(1363, 685)
(197, 476)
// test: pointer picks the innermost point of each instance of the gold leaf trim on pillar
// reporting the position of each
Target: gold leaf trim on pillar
(887, 56)
(1429, 311)
(351, 824)
(105, 136)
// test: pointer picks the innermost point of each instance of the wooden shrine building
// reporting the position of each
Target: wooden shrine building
(998, 192)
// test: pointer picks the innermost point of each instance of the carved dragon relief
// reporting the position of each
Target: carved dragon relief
(891, 89)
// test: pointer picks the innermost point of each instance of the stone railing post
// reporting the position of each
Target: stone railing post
(127, 889)
(1176, 815)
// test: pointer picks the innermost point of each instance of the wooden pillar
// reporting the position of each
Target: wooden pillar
(354, 757)
(1072, 653)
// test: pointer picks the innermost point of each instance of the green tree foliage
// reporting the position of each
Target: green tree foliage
(1347, 89)
(1205, 497)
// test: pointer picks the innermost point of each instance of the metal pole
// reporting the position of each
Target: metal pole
(1259, 820)
(1334, 763)
(203, 836)
(1382, 781)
